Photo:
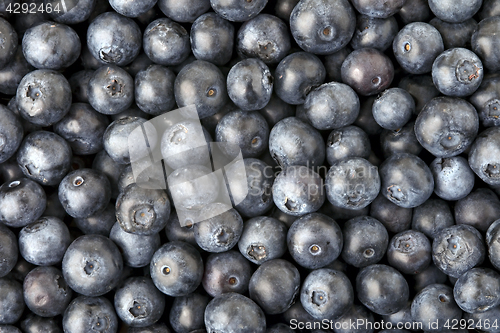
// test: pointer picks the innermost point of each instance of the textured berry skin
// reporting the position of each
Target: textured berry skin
(477, 290)
(332, 25)
(483, 156)
(84, 312)
(409, 252)
(455, 11)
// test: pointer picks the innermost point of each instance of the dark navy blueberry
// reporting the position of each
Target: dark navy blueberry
(365, 241)
(477, 290)
(265, 37)
(44, 242)
(238, 11)
(187, 11)
(51, 45)
(479, 209)
(92, 265)
(166, 42)
(8, 251)
(382, 289)
(226, 272)
(395, 218)
(314, 240)
(263, 238)
(326, 294)
(212, 39)
(431, 217)
(402, 140)
(13, 72)
(154, 90)
(409, 252)
(330, 25)
(114, 39)
(99, 223)
(94, 313)
(372, 32)
(187, 313)
(176, 268)
(11, 301)
(22, 201)
(457, 249)
(416, 46)
(455, 34)
(45, 292)
(346, 142)
(484, 43)
(104, 163)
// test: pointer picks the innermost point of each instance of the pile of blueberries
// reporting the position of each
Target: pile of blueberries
(369, 132)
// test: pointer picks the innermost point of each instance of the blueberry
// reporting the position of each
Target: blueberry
(256, 193)
(51, 45)
(394, 217)
(296, 75)
(294, 142)
(489, 8)
(220, 228)
(477, 290)
(232, 312)
(74, 12)
(372, 32)
(367, 71)
(393, 108)
(326, 294)
(142, 62)
(265, 37)
(11, 133)
(403, 316)
(347, 142)
(187, 11)
(92, 265)
(365, 241)
(114, 39)
(201, 83)
(212, 39)
(400, 141)
(331, 106)
(352, 183)
(176, 269)
(137, 250)
(22, 201)
(43, 97)
(84, 192)
(453, 178)
(378, 8)
(44, 241)
(483, 156)
(13, 72)
(90, 313)
(457, 72)
(132, 9)
(431, 217)
(45, 292)
(421, 88)
(226, 272)
(250, 84)
(156, 328)
(415, 11)
(382, 289)
(154, 90)
(455, 34)
(8, 251)
(122, 138)
(166, 42)
(479, 209)
(274, 286)
(238, 11)
(406, 180)
(263, 239)
(314, 240)
(86, 138)
(416, 46)
(248, 131)
(110, 90)
(457, 249)
(479, 318)
(187, 313)
(138, 303)
(142, 211)
(330, 25)
(455, 12)
(486, 101)
(491, 242)
(11, 301)
(177, 231)
(409, 252)
(99, 223)
(484, 43)
(298, 190)
(9, 42)
(433, 304)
